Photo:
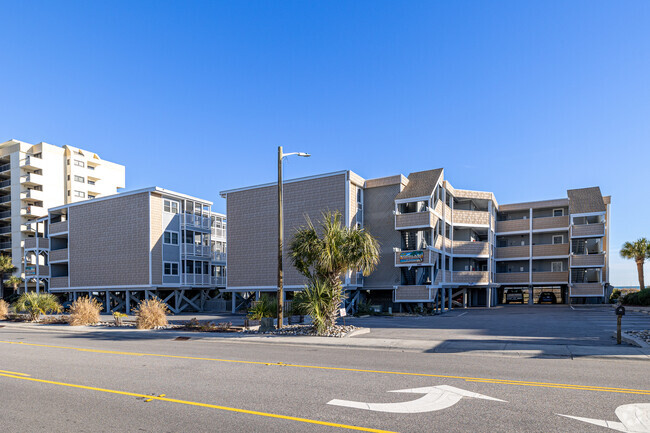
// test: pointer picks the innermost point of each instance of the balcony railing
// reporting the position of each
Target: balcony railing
(588, 260)
(512, 277)
(412, 293)
(32, 178)
(5, 229)
(32, 194)
(550, 250)
(59, 227)
(5, 199)
(5, 245)
(586, 289)
(558, 222)
(551, 277)
(59, 255)
(471, 217)
(31, 270)
(197, 250)
(197, 221)
(518, 251)
(58, 282)
(32, 162)
(415, 257)
(196, 280)
(219, 281)
(471, 277)
(588, 230)
(471, 248)
(5, 183)
(219, 256)
(520, 225)
(218, 233)
(32, 211)
(5, 214)
(37, 243)
(415, 219)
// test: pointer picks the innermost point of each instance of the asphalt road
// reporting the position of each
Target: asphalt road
(66, 382)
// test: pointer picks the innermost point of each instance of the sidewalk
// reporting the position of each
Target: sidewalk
(472, 347)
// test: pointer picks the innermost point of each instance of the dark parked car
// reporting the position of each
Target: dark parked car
(514, 295)
(547, 297)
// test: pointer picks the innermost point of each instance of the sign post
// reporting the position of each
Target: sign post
(620, 312)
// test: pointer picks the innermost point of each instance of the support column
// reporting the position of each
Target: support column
(234, 302)
(530, 295)
(127, 304)
(449, 298)
(108, 302)
(488, 296)
(442, 300)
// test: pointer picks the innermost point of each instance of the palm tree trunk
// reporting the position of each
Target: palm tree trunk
(639, 268)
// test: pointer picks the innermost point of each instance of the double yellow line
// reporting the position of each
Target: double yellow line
(359, 370)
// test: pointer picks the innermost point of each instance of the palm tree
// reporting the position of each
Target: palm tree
(326, 253)
(36, 304)
(6, 267)
(639, 251)
(14, 282)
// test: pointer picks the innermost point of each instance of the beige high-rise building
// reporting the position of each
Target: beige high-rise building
(36, 177)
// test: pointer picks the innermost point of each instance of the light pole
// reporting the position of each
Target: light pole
(281, 156)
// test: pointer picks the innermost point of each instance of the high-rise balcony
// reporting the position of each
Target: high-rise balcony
(5, 245)
(412, 293)
(471, 217)
(546, 223)
(197, 250)
(5, 199)
(471, 248)
(518, 251)
(33, 211)
(550, 250)
(60, 255)
(586, 289)
(471, 277)
(218, 256)
(518, 225)
(32, 179)
(511, 277)
(426, 219)
(218, 281)
(5, 184)
(588, 260)
(5, 168)
(37, 243)
(5, 230)
(196, 280)
(196, 221)
(58, 227)
(551, 277)
(58, 282)
(588, 230)
(32, 195)
(32, 163)
(5, 214)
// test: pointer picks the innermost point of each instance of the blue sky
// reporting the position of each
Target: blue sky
(525, 99)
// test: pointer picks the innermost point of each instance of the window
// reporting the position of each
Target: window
(556, 266)
(170, 238)
(80, 194)
(90, 167)
(79, 163)
(558, 212)
(90, 196)
(170, 206)
(79, 179)
(558, 239)
(91, 182)
(197, 267)
(171, 268)
(189, 266)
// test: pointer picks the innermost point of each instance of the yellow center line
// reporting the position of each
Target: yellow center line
(358, 370)
(13, 372)
(194, 403)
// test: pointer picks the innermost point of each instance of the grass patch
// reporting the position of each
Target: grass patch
(84, 311)
(151, 314)
(4, 309)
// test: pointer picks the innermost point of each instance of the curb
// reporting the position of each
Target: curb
(634, 341)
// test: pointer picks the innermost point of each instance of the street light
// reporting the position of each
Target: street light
(281, 156)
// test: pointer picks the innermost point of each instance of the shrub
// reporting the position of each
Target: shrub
(264, 307)
(4, 309)
(84, 311)
(613, 298)
(642, 298)
(151, 314)
(321, 301)
(364, 309)
(35, 304)
(117, 317)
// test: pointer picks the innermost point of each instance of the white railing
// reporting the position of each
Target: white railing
(197, 250)
(196, 280)
(219, 281)
(196, 221)
(218, 256)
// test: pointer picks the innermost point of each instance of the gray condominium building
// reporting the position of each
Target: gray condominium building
(129, 246)
(439, 245)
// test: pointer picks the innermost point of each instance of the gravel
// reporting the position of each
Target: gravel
(337, 331)
(643, 335)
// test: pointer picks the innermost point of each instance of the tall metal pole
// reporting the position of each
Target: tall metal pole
(280, 238)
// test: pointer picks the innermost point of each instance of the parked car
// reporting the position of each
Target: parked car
(547, 297)
(514, 295)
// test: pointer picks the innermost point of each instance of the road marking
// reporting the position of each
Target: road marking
(460, 315)
(194, 403)
(358, 370)
(435, 398)
(13, 372)
(634, 418)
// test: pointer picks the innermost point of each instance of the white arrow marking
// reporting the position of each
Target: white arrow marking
(436, 398)
(634, 418)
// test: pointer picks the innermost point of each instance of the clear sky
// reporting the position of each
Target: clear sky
(522, 98)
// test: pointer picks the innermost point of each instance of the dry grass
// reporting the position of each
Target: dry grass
(84, 311)
(151, 314)
(4, 309)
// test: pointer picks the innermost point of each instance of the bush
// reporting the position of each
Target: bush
(84, 311)
(321, 301)
(151, 314)
(641, 298)
(613, 298)
(364, 309)
(4, 309)
(35, 304)
(264, 307)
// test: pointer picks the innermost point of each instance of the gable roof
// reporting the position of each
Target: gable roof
(421, 184)
(586, 200)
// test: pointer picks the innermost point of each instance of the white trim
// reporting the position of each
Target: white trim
(178, 237)
(409, 200)
(348, 223)
(482, 226)
(284, 182)
(587, 214)
(553, 239)
(178, 267)
(561, 209)
(561, 266)
(558, 229)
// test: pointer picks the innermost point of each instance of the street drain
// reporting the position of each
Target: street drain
(182, 338)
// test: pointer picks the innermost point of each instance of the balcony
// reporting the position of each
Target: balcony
(471, 277)
(196, 280)
(415, 257)
(5, 245)
(32, 195)
(513, 252)
(5, 230)
(219, 281)
(28, 228)
(197, 250)
(471, 217)
(588, 230)
(58, 282)
(58, 227)
(550, 250)
(219, 256)
(415, 219)
(37, 243)
(196, 221)
(586, 289)
(33, 211)
(443, 275)
(32, 163)
(471, 248)
(218, 233)
(545, 223)
(588, 261)
(32, 179)
(5, 199)
(551, 277)
(31, 270)
(521, 225)
(5, 184)
(59, 255)
(5, 214)
(412, 294)
(5, 167)
(511, 277)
